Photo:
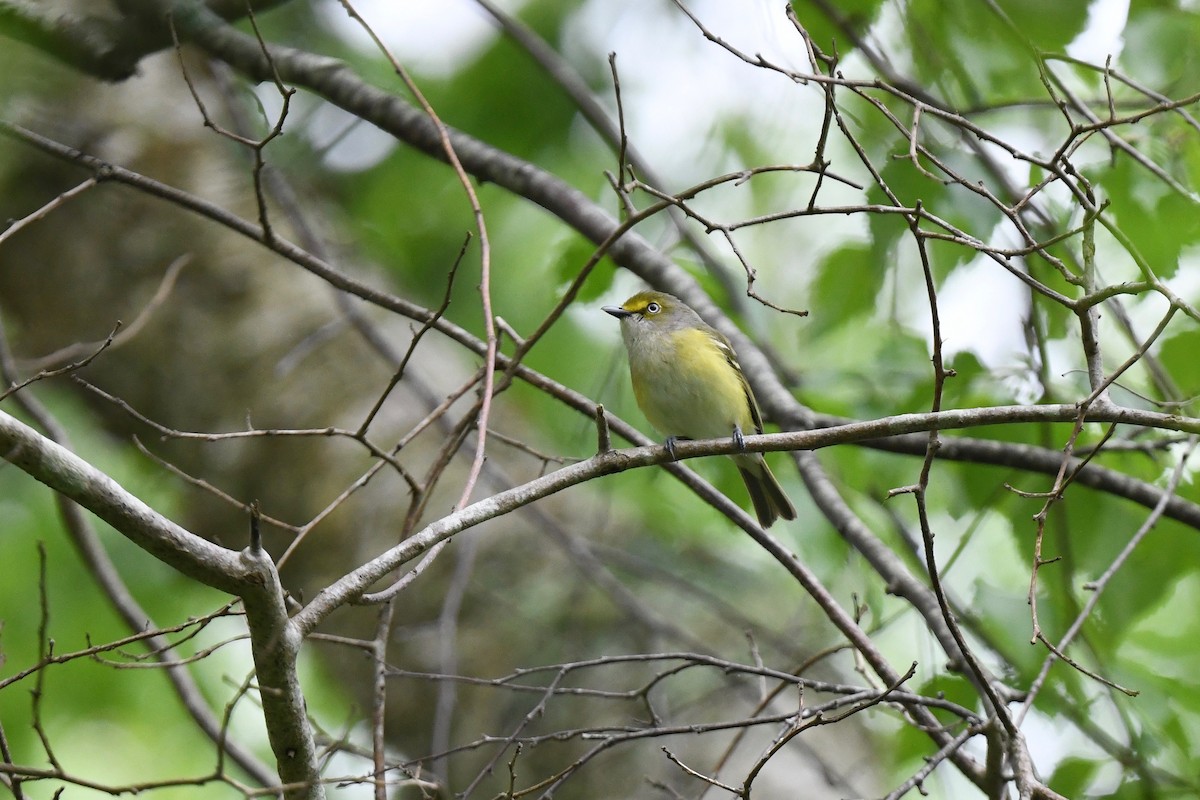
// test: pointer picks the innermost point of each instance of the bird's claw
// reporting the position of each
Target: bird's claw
(670, 445)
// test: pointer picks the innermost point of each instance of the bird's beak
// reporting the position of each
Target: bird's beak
(617, 312)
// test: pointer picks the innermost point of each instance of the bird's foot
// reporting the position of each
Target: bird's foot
(670, 445)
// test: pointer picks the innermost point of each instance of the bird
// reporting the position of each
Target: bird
(688, 383)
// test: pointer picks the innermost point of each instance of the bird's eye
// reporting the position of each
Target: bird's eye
(653, 308)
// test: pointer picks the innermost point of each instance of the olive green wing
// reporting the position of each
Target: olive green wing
(731, 359)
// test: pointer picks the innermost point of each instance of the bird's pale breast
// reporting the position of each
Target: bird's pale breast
(686, 387)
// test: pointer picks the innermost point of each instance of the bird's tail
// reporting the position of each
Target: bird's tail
(770, 503)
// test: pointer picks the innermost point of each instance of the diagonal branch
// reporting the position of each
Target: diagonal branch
(249, 574)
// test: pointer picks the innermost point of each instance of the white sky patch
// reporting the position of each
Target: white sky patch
(677, 87)
(434, 39)
(1186, 280)
(976, 309)
(345, 143)
(348, 144)
(1102, 36)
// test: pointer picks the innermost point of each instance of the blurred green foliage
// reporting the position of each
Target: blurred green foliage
(223, 352)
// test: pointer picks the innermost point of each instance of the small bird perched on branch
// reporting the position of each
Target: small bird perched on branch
(689, 385)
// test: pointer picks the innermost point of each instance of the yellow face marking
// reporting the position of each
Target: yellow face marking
(645, 304)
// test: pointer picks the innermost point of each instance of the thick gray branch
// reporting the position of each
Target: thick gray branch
(71, 476)
(103, 47)
(249, 574)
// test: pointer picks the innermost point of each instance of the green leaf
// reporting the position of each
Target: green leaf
(978, 55)
(1178, 356)
(834, 28)
(574, 255)
(1073, 775)
(834, 302)
(1162, 44)
(1049, 26)
(1159, 222)
(954, 688)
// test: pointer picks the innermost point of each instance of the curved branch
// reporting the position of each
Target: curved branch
(72, 477)
(83, 534)
(249, 574)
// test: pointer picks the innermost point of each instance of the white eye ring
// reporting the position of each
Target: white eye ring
(653, 308)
